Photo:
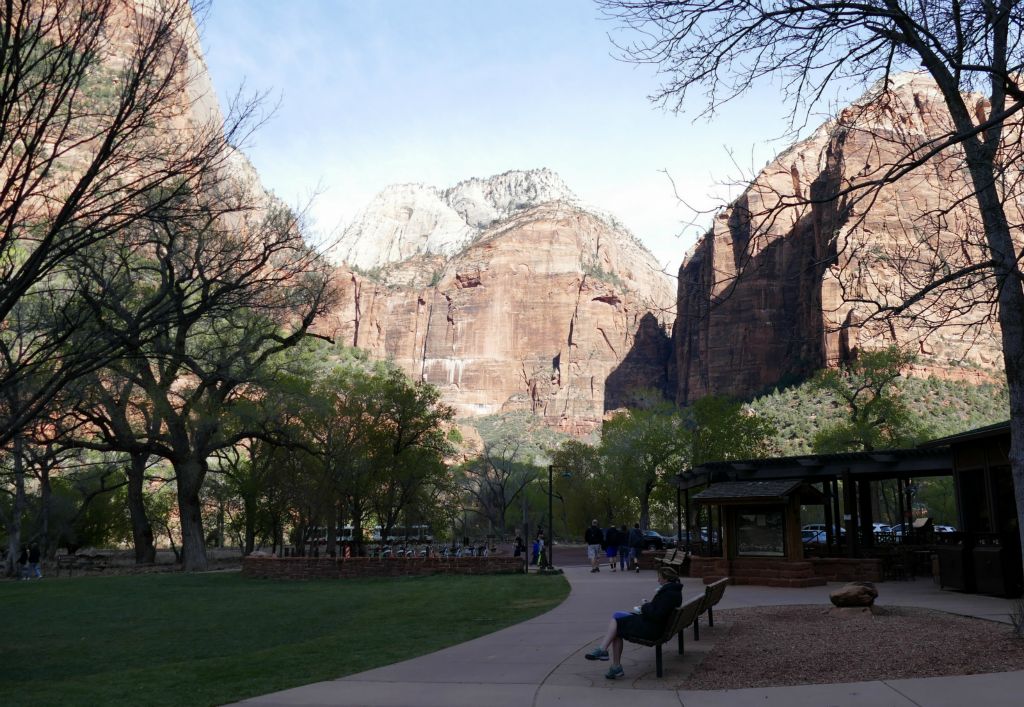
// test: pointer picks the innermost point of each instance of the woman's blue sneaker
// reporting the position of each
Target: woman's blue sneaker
(597, 654)
(615, 671)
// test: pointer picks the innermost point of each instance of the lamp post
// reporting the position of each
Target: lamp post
(908, 522)
(551, 520)
(551, 516)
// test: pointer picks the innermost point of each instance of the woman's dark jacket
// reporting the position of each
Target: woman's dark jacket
(650, 622)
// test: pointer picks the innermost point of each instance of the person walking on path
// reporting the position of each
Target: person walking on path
(611, 545)
(542, 553)
(623, 548)
(33, 562)
(518, 546)
(593, 537)
(646, 621)
(23, 563)
(636, 545)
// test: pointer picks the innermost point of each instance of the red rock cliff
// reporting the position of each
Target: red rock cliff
(788, 279)
(553, 310)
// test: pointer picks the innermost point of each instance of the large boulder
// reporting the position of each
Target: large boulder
(855, 594)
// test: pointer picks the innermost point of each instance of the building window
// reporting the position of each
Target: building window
(761, 531)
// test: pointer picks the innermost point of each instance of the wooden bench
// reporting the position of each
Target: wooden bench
(713, 594)
(677, 560)
(668, 558)
(677, 623)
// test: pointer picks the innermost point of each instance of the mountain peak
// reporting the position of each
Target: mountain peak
(481, 202)
(404, 220)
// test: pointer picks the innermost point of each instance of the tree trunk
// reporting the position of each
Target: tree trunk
(331, 549)
(645, 507)
(17, 511)
(193, 549)
(357, 530)
(249, 540)
(1011, 309)
(142, 530)
(46, 501)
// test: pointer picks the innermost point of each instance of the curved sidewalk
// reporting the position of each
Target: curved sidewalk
(539, 663)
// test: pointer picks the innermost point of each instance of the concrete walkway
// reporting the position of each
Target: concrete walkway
(540, 662)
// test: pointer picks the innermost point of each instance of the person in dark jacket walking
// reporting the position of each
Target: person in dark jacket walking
(33, 561)
(647, 621)
(23, 563)
(611, 545)
(636, 545)
(623, 548)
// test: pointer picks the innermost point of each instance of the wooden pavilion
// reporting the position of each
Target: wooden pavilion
(744, 509)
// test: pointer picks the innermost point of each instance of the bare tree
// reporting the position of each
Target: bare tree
(110, 413)
(104, 121)
(970, 49)
(498, 477)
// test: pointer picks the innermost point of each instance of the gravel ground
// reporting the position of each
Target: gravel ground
(798, 645)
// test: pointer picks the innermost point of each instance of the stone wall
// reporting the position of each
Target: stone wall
(842, 569)
(344, 568)
(710, 568)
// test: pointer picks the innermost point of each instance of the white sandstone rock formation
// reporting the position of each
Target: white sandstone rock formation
(407, 220)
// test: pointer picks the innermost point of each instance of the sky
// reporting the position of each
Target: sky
(370, 93)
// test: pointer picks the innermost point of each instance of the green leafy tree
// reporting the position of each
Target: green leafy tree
(875, 415)
(725, 429)
(642, 448)
(379, 440)
(582, 486)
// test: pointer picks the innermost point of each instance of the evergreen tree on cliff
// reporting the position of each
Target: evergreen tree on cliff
(814, 49)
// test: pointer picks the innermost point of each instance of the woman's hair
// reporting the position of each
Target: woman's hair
(668, 574)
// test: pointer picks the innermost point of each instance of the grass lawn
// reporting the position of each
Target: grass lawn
(179, 639)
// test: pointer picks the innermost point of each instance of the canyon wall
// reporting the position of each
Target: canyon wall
(802, 269)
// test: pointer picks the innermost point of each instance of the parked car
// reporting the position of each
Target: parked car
(879, 528)
(653, 540)
(944, 529)
(816, 537)
(821, 527)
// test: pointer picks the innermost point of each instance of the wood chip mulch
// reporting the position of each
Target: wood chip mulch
(796, 645)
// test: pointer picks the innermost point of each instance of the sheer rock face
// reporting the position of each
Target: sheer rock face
(553, 310)
(788, 281)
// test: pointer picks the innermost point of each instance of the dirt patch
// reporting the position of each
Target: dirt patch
(797, 645)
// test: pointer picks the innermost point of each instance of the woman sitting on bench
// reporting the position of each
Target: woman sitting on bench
(647, 622)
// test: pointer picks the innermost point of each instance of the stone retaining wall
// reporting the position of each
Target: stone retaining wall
(844, 569)
(344, 568)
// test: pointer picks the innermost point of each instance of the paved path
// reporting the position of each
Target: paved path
(539, 663)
